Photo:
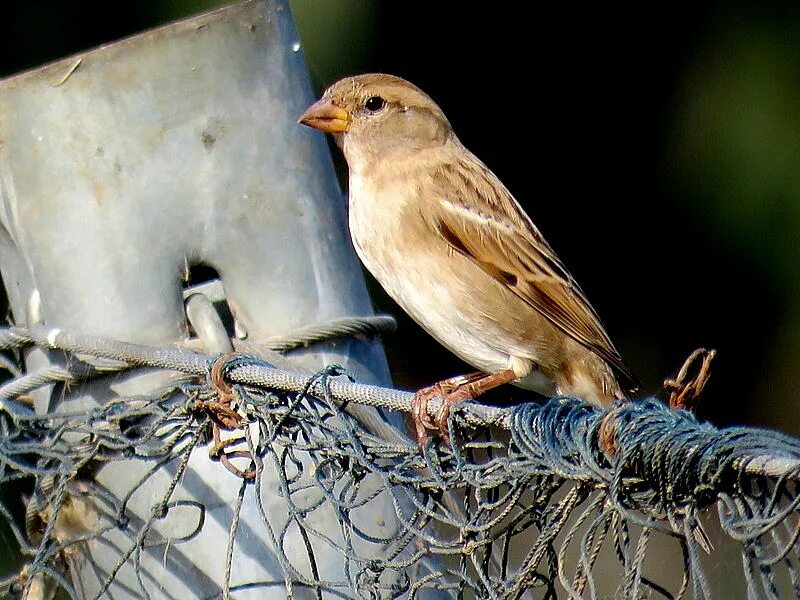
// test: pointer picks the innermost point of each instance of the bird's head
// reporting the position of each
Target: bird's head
(376, 115)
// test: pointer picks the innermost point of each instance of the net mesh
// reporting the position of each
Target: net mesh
(550, 499)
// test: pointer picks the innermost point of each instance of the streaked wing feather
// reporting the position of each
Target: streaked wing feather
(498, 235)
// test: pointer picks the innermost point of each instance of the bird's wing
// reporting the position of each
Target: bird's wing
(479, 218)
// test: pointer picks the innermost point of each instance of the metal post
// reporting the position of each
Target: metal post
(122, 167)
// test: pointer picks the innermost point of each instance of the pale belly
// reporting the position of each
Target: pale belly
(447, 294)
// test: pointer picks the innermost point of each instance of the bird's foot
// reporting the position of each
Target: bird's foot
(423, 422)
(419, 413)
(451, 391)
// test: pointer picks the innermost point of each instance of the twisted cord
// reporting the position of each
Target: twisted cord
(245, 370)
(76, 370)
(333, 329)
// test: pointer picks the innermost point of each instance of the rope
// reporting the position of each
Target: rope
(17, 338)
(333, 329)
(369, 326)
(247, 370)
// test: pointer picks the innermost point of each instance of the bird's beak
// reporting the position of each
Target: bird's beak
(326, 116)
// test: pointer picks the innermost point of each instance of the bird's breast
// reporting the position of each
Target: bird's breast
(418, 270)
(395, 244)
(376, 227)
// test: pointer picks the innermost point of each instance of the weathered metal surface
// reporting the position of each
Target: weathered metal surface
(121, 167)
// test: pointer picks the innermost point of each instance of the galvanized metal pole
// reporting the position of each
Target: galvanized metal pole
(122, 167)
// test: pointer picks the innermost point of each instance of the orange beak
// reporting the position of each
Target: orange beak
(326, 116)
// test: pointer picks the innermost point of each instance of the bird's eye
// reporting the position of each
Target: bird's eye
(374, 103)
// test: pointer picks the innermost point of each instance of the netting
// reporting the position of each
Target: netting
(551, 499)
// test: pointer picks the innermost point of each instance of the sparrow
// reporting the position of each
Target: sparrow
(450, 244)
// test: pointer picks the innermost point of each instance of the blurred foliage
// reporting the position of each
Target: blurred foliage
(338, 37)
(736, 153)
(737, 141)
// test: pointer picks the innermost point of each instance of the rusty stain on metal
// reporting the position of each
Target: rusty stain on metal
(100, 193)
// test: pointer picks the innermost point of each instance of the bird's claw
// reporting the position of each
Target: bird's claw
(438, 424)
(451, 391)
(419, 413)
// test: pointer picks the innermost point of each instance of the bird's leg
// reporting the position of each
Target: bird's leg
(442, 389)
(468, 390)
(451, 391)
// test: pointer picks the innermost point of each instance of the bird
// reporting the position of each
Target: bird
(450, 244)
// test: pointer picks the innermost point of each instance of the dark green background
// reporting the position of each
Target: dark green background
(657, 148)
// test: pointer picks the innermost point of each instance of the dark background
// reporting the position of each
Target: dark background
(657, 148)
